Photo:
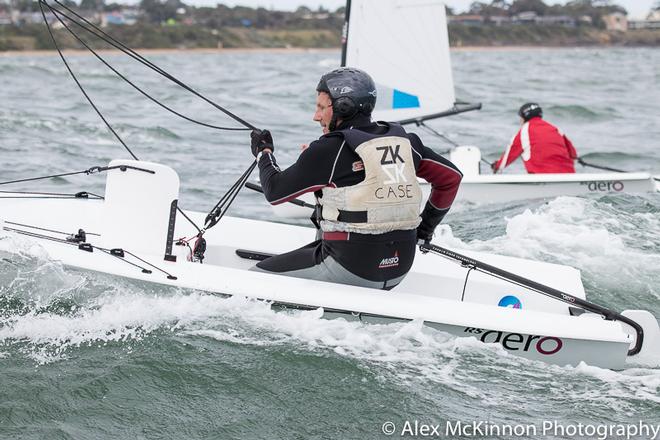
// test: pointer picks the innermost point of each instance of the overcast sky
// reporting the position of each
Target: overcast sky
(635, 8)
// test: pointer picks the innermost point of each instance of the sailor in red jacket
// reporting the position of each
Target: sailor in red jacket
(544, 148)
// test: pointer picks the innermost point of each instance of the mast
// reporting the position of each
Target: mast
(344, 33)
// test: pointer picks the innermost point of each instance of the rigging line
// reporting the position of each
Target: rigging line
(87, 171)
(36, 235)
(41, 197)
(55, 13)
(52, 36)
(602, 167)
(59, 240)
(517, 283)
(241, 183)
(227, 199)
(219, 206)
(525, 286)
(169, 275)
(111, 40)
(77, 196)
(62, 195)
(437, 133)
(188, 218)
(120, 75)
(109, 252)
(440, 135)
(467, 275)
(47, 230)
(128, 51)
(224, 198)
(494, 275)
(114, 42)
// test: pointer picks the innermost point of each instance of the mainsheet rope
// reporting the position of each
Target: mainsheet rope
(86, 25)
(444, 137)
(222, 206)
(601, 167)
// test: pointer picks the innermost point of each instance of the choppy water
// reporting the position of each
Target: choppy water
(87, 356)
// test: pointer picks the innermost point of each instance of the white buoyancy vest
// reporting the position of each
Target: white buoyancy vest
(389, 197)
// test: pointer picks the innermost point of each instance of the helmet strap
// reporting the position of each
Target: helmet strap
(333, 122)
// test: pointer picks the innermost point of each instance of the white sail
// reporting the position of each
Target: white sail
(404, 46)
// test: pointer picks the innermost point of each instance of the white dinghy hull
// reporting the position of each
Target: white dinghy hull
(506, 188)
(137, 218)
(497, 188)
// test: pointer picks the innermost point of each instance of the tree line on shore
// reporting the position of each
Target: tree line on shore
(173, 23)
(593, 9)
(164, 11)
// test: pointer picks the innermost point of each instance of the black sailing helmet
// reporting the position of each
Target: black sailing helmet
(529, 111)
(351, 90)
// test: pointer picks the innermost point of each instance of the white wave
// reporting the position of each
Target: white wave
(408, 353)
(28, 273)
(583, 234)
(112, 318)
(634, 383)
(11, 243)
(562, 226)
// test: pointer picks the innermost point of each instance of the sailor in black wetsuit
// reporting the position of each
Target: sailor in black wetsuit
(364, 175)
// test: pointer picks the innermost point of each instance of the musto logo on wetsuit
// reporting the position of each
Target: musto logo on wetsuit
(389, 197)
(389, 262)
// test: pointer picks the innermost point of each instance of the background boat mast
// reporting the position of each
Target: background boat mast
(344, 33)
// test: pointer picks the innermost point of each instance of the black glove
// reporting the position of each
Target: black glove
(425, 232)
(431, 217)
(260, 141)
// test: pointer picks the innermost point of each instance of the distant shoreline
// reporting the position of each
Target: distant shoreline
(75, 52)
(171, 50)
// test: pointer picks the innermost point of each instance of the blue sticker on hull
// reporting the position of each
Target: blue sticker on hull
(510, 301)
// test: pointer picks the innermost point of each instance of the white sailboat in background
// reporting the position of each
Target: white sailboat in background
(404, 46)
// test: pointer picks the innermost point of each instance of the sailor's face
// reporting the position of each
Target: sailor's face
(323, 114)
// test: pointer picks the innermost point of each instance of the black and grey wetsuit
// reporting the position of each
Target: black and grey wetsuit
(351, 250)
